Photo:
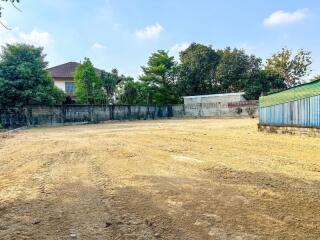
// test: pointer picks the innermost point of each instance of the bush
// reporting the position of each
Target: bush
(251, 111)
(239, 110)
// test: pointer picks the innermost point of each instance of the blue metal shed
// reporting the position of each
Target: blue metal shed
(297, 106)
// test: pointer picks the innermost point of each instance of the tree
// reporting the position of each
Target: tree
(291, 67)
(235, 69)
(160, 75)
(197, 70)
(24, 79)
(132, 93)
(89, 87)
(110, 80)
(262, 83)
(1, 8)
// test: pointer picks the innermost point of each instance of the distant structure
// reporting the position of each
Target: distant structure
(63, 77)
(296, 110)
(219, 105)
(227, 97)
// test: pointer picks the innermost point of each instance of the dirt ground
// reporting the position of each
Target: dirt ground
(169, 179)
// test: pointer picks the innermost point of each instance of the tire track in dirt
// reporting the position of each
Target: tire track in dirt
(26, 218)
(134, 215)
(120, 222)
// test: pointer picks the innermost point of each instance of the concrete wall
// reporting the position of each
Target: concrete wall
(215, 98)
(12, 118)
(222, 109)
(291, 130)
(220, 105)
(70, 114)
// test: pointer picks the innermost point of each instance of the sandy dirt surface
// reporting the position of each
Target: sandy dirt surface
(170, 179)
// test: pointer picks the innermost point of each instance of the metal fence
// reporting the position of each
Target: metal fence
(303, 112)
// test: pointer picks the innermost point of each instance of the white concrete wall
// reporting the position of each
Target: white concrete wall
(218, 105)
(61, 85)
(215, 98)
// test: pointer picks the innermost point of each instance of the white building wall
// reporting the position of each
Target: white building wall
(61, 85)
(218, 105)
(215, 98)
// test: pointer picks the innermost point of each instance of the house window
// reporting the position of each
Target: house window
(70, 87)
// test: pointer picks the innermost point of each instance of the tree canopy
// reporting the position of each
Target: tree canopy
(197, 70)
(261, 83)
(160, 76)
(292, 67)
(24, 79)
(204, 70)
(109, 82)
(131, 92)
(89, 86)
(200, 70)
(235, 69)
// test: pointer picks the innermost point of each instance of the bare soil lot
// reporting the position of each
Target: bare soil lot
(174, 179)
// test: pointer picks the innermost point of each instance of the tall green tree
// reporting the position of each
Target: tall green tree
(109, 81)
(261, 83)
(235, 69)
(24, 79)
(133, 93)
(197, 70)
(292, 67)
(89, 86)
(160, 75)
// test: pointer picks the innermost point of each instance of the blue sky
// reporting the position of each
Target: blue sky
(123, 33)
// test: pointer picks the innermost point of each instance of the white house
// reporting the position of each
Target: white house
(63, 77)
